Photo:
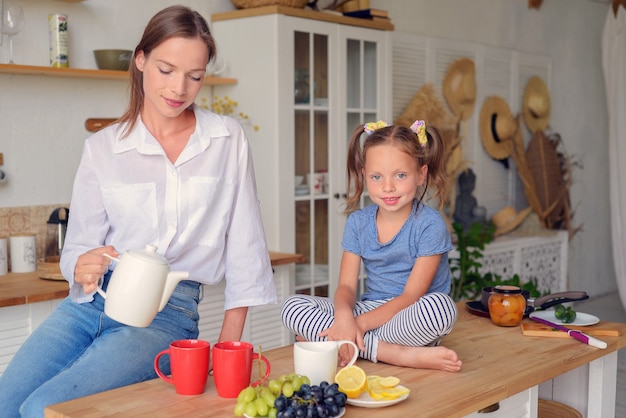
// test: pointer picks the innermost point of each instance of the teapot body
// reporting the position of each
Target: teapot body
(140, 286)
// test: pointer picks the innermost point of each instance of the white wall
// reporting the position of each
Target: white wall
(42, 119)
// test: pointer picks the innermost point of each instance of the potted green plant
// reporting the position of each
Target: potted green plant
(467, 279)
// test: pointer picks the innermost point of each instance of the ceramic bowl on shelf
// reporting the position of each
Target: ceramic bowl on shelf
(113, 59)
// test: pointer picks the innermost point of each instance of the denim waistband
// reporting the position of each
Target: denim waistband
(188, 287)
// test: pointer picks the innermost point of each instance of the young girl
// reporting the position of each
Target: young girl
(403, 244)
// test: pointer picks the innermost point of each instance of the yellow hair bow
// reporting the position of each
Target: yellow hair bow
(419, 127)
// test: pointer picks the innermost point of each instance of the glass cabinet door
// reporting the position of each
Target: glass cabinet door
(311, 137)
(362, 104)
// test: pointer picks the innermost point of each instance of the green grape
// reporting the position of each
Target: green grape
(274, 386)
(291, 376)
(261, 407)
(247, 395)
(239, 409)
(305, 379)
(272, 413)
(288, 389)
(283, 378)
(250, 409)
(296, 382)
(269, 398)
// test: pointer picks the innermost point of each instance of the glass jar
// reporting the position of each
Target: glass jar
(507, 306)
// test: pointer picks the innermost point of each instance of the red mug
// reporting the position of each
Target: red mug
(189, 362)
(232, 367)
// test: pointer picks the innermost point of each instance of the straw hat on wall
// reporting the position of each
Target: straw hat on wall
(536, 105)
(497, 127)
(459, 87)
(507, 219)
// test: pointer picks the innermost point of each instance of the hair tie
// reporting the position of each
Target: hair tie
(419, 128)
(370, 127)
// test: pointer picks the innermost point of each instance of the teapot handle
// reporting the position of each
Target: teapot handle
(99, 290)
(111, 257)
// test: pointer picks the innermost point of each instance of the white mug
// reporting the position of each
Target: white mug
(317, 360)
(23, 253)
(4, 258)
(316, 182)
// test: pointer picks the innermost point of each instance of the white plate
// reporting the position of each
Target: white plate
(582, 319)
(366, 401)
(341, 412)
(302, 190)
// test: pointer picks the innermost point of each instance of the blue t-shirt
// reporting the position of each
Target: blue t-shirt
(388, 265)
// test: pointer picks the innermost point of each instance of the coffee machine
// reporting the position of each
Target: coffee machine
(55, 235)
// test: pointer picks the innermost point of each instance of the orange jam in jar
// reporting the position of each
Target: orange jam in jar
(507, 306)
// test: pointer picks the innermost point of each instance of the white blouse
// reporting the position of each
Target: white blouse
(202, 212)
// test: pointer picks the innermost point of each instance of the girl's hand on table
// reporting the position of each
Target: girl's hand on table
(345, 329)
(91, 265)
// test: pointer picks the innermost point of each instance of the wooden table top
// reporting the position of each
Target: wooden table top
(497, 362)
(24, 288)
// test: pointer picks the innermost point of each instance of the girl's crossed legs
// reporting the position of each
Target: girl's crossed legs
(409, 339)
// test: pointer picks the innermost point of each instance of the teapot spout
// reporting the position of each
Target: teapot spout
(173, 278)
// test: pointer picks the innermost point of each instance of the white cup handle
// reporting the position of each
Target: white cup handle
(356, 351)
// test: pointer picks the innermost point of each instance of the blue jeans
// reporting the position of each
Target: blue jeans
(78, 351)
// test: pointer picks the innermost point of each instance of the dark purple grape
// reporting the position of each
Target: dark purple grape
(280, 403)
(311, 412)
(333, 410)
(340, 399)
(289, 413)
(300, 411)
(331, 390)
(322, 411)
(329, 400)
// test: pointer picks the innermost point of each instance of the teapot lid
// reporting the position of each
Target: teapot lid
(149, 254)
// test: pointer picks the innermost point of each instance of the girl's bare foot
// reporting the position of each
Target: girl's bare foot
(436, 358)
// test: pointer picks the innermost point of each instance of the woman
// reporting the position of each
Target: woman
(168, 174)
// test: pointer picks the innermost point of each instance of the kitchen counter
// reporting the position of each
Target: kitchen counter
(500, 365)
(25, 288)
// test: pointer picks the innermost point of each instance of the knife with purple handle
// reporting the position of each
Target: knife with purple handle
(574, 333)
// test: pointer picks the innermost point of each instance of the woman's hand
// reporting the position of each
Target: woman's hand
(91, 265)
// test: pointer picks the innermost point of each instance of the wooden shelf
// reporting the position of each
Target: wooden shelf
(307, 14)
(87, 73)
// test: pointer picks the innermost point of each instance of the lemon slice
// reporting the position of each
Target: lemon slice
(394, 392)
(375, 390)
(389, 381)
(351, 380)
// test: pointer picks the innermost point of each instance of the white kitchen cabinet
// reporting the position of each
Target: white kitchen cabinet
(17, 323)
(307, 83)
(263, 324)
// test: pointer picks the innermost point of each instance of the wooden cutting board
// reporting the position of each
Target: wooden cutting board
(536, 329)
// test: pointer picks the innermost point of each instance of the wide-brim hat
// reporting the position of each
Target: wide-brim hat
(536, 105)
(497, 127)
(507, 219)
(459, 87)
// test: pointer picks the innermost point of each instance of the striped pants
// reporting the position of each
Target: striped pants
(421, 324)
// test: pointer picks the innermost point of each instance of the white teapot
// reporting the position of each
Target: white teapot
(140, 286)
